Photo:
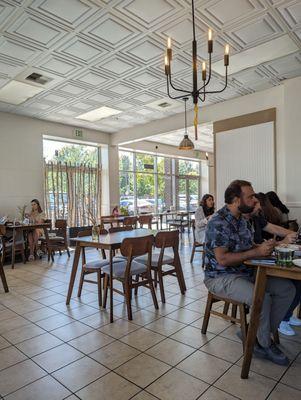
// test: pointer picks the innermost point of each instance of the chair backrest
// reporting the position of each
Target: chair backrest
(133, 247)
(120, 229)
(164, 239)
(130, 221)
(88, 232)
(193, 228)
(2, 230)
(61, 224)
(145, 220)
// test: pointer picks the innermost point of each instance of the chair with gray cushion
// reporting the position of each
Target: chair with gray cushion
(166, 240)
(129, 272)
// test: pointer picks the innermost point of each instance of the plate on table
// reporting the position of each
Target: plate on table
(297, 262)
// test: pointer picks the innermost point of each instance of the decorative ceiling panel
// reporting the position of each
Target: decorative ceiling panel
(110, 52)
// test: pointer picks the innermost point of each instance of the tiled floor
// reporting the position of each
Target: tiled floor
(51, 351)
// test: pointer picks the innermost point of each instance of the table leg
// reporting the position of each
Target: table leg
(258, 297)
(73, 272)
(13, 255)
(111, 286)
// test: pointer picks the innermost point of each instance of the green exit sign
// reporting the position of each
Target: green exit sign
(78, 133)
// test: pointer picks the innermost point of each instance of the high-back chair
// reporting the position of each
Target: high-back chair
(92, 267)
(197, 245)
(145, 220)
(130, 221)
(180, 222)
(166, 240)
(10, 243)
(59, 242)
(127, 271)
(2, 274)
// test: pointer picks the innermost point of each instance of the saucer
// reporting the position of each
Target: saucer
(297, 262)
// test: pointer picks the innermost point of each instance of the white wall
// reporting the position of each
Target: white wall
(21, 157)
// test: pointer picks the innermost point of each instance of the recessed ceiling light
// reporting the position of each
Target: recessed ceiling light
(99, 113)
(268, 51)
(17, 92)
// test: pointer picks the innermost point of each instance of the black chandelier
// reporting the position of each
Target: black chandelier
(196, 93)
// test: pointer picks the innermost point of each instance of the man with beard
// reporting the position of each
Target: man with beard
(229, 243)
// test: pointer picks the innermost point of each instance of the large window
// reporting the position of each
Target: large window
(72, 182)
(151, 183)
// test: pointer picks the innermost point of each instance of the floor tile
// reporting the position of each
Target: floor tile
(46, 388)
(3, 343)
(204, 366)
(54, 322)
(292, 376)
(142, 370)
(115, 354)
(165, 326)
(142, 339)
(192, 337)
(91, 341)
(80, 373)
(255, 387)
(176, 385)
(216, 325)
(216, 394)
(282, 392)
(13, 323)
(58, 357)
(39, 344)
(143, 395)
(143, 317)
(184, 315)
(71, 331)
(19, 375)
(111, 387)
(119, 328)
(224, 348)
(97, 320)
(26, 332)
(39, 314)
(170, 351)
(10, 356)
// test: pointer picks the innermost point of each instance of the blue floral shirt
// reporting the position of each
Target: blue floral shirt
(224, 230)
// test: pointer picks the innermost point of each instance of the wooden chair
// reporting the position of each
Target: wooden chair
(59, 242)
(2, 274)
(126, 270)
(243, 310)
(180, 222)
(145, 220)
(120, 229)
(166, 240)
(8, 243)
(130, 221)
(92, 267)
(196, 245)
(242, 320)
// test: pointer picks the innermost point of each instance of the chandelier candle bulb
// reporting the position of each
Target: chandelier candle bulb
(204, 71)
(226, 56)
(169, 51)
(210, 42)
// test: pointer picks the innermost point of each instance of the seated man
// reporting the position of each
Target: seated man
(229, 243)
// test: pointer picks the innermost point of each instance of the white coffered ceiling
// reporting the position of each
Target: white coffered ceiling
(110, 53)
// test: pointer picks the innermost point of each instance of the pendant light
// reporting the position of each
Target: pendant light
(186, 143)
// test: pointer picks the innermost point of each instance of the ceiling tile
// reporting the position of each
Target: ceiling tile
(291, 13)
(17, 51)
(145, 78)
(81, 50)
(58, 65)
(145, 51)
(148, 11)
(110, 31)
(117, 66)
(92, 78)
(121, 89)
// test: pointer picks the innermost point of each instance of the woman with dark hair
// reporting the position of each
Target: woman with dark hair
(277, 203)
(35, 216)
(202, 216)
(270, 212)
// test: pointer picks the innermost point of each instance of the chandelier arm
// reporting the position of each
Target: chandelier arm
(176, 97)
(178, 90)
(225, 86)
(209, 75)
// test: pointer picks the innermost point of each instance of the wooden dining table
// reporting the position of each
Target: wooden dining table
(110, 242)
(15, 228)
(262, 273)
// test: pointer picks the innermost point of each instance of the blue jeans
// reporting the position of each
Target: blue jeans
(296, 301)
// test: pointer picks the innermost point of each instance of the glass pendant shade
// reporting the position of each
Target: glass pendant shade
(186, 144)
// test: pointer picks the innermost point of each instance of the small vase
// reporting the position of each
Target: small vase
(95, 232)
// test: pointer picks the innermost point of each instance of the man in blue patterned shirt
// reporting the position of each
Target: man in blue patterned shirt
(229, 243)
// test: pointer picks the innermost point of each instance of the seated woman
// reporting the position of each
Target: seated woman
(202, 216)
(281, 208)
(35, 216)
(115, 211)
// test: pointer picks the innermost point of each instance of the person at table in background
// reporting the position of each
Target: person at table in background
(115, 212)
(282, 209)
(202, 216)
(261, 223)
(228, 244)
(36, 216)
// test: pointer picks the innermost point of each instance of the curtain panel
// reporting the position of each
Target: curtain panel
(72, 192)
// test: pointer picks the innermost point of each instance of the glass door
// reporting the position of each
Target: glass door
(192, 193)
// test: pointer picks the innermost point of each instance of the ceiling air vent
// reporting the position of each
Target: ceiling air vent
(164, 105)
(38, 78)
